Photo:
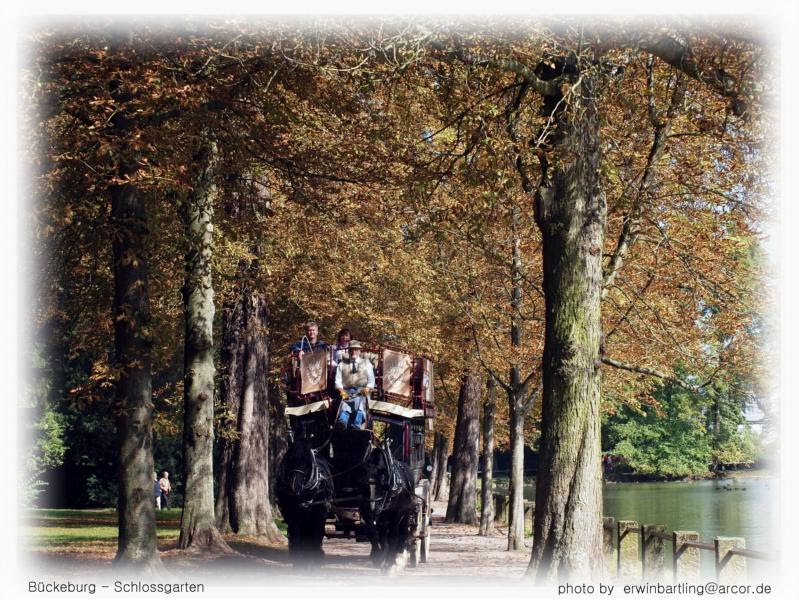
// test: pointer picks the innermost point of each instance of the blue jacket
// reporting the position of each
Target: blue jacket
(305, 345)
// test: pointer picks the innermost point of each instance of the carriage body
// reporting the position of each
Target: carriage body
(399, 413)
(403, 400)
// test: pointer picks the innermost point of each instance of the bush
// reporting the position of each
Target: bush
(667, 440)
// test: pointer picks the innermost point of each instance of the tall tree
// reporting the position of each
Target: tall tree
(571, 212)
(487, 479)
(132, 343)
(520, 398)
(440, 456)
(462, 502)
(197, 526)
(243, 503)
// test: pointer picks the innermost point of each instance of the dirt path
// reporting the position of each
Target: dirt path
(456, 552)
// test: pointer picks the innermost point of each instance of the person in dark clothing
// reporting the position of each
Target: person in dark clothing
(341, 347)
(310, 341)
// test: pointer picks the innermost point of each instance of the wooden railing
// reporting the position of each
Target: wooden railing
(640, 550)
(633, 550)
(501, 507)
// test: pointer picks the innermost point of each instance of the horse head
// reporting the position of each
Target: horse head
(393, 478)
(391, 508)
(304, 474)
(304, 488)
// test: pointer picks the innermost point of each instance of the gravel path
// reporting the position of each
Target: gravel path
(456, 552)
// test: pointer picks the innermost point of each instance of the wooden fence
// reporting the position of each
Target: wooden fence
(635, 551)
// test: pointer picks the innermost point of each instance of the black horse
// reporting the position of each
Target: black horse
(390, 510)
(304, 488)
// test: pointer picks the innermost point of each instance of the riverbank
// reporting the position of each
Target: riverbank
(725, 474)
(748, 474)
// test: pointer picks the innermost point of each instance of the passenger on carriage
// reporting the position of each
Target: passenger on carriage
(340, 348)
(355, 379)
(310, 341)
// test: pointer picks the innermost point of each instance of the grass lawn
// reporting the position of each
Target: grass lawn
(65, 530)
(71, 531)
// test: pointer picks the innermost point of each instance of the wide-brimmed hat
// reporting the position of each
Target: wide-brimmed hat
(355, 344)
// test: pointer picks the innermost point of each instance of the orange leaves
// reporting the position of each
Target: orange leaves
(381, 198)
(129, 259)
(100, 381)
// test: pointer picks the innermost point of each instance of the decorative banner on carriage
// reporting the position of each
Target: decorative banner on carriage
(397, 373)
(313, 372)
(427, 381)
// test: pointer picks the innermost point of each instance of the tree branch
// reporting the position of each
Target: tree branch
(545, 88)
(528, 404)
(512, 116)
(630, 307)
(654, 373)
(629, 230)
(485, 366)
(682, 58)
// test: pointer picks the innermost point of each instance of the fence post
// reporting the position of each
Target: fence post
(501, 508)
(608, 530)
(652, 554)
(529, 515)
(629, 565)
(729, 567)
(686, 560)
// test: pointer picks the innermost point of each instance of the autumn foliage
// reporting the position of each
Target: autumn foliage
(380, 174)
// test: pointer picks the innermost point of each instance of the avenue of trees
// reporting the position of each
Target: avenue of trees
(566, 216)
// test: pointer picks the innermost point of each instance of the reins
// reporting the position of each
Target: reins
(356, 466)
(314, 477)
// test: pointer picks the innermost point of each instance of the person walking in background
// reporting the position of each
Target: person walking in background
(166, 487)
(157, 490)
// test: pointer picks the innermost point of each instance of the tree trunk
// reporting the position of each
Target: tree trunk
(462, 503)
(714, 425)
(516, 479)
(232, 356)
(516, 411)
(278, 435)
(571, 212)
(487, 483)
(243, 504)
(137, 545)
(197, 527)
(440, 455)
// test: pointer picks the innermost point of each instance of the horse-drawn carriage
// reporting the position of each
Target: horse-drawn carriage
(369, 482)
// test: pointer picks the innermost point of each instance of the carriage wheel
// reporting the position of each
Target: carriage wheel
(413, 561)
(416, 549)
(424, 551)
(421, 546)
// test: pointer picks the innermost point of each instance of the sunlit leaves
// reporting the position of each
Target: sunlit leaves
(373, 176)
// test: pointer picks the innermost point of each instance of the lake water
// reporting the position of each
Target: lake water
(744, 507)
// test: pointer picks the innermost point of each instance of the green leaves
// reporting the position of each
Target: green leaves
(672, 444)
(682, 434)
